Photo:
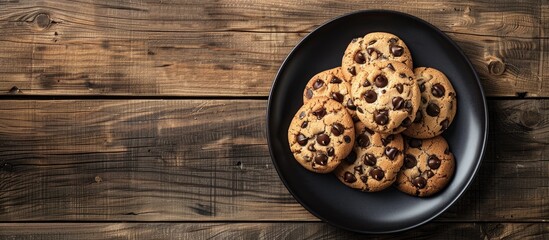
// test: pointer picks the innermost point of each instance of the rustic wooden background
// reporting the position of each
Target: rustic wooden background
(106, 127)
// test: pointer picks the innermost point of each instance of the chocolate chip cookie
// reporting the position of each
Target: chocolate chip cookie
(428, 166)
(321, 134)
(376, 163)
(386, 96)
(330, 84)
(438, 104)
(376, 46)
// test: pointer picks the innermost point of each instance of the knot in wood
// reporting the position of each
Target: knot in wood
(530, 119)
(42, 20)
(496, 66)
(98, 179)
(14, 90)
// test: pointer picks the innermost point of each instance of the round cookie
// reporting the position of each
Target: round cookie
(377, 162)
(376, 46)
(438, 104)
(330, 84)
(387, 96)
(321, 134)
(428, 166)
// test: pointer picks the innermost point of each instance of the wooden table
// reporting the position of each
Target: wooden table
(146, 119)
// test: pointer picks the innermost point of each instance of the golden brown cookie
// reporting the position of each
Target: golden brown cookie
(330, 84)
(386, 96)
(377, 162)
(376, 46)
(428, 166)
(321, 134)
(438, 104)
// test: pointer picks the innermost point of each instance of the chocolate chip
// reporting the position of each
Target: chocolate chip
(302, 115)
(363, 140)
(433, 162)
(390, 66)
(409, 161)
(419, 182)
(347, 139)
(408, 105)
(369, 159)
(301, 139)
(335, 80)
(437, 90)
(399, 87)
(380, 81)
(414, 142)
(337, 129)
(318, 84)
(444, 124)
(381, 117)
(309, 93)
(364, 179)
(419, 116)
(447, 151)
(391, 152)
(338, 97)
(410, 79)
(422, 87)
(393, 40)
(311, 148)
(330, 151)
(304, 124)
(360, 110)
(433, 110)
(320, 113)
(429, 174)
(323, 139)
(349, 177)
(370, 50)
(368, 130)
(423, 100)
(372, 42)
(387, 140)
(402, 75)
(351, 158)
(406, 122)
(398, 103)
(397, 51)
(352, 70)
(370, 96)
(321, 159)
(377, 174)
(358, 169)
(351, 105)
(359, 58)
(366, 83)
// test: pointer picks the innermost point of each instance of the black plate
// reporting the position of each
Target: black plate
(388, 210)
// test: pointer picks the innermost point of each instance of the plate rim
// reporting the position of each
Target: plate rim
(443, 35)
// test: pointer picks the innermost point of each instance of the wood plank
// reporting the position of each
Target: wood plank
(130, 231)
(544, 51)
(170, 160)
(504, 18)
(196, 49)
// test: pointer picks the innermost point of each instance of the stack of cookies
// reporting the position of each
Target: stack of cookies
(354, 116)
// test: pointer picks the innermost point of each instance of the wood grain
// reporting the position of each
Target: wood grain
(204, 160)
(522, 18)
(129, 231)
(233, 48)
(544, 44)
